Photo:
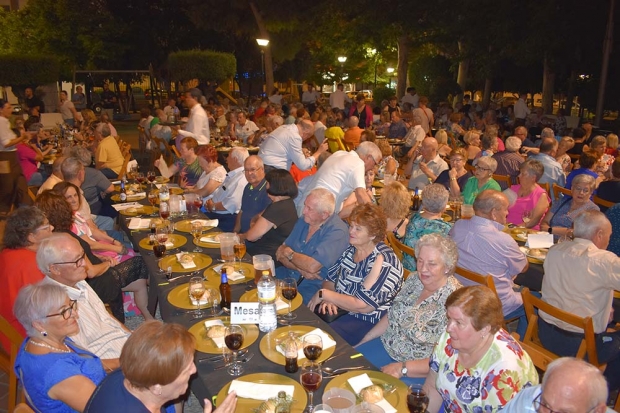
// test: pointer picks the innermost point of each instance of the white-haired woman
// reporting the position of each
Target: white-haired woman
(482, 179)
(472, 145)
(528, 200)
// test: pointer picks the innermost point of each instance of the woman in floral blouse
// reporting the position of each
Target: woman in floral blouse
(476, 365)
(401, 343)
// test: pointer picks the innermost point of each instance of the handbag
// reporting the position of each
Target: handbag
(329, 318)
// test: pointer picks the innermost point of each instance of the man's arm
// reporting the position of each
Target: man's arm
(300, 262)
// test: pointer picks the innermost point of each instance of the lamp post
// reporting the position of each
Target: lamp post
(390, 70)
(262, 43)
(342, 60)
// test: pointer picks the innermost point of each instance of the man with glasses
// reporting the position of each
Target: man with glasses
(255, 199)
(568, 386)
(426, 167)
(63, 261)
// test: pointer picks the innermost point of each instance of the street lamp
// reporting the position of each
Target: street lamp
(262, 43)
(342, 60)
(390, 70)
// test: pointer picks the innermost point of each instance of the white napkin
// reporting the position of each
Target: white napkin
(169, 244)
(539, 240)
(213, 239)
(219, 341)
(259, 391)
(281, 304)
(327, 342)
(231, 277)
(206, 222)
(185, 265)
(140, 223)
(126, 205)
(358, 383)
(136, 195)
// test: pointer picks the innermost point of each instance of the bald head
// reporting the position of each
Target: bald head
(491, 204)
(254, 169)
(306, 129)
(428, 148)
(354, 121)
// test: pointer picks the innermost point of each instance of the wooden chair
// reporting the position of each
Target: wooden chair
(164, 148)
(533, 305)
(557, 190)
(123, 171)
(32, 192)
(23, 408)
(7, 361)
(602, 202)
(546, 187)
(399, 248)
(142, 140)
(175, 151)
(505, 179)
(477, 278)
(539, 355)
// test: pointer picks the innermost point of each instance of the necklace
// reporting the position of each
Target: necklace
(36, 343)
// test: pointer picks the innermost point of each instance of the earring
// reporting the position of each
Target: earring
(44, 333)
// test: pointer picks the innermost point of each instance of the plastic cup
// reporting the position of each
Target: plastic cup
(467, 211)
(340, 400)
(262, 262)
(323, 408)
(227, 244)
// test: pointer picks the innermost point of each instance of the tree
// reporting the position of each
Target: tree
(201, 64)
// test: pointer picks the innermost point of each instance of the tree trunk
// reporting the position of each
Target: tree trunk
(268, 58)
(486, 96)
(403, 65)
(548, 87)
(463, 74)
(570, 93)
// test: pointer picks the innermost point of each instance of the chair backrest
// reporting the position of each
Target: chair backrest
(602, 202)
(557, 190)
(533, 305)
(540, 356)
(160, 143)
(477, 278)
(123, 171)
(23, 408)
(399, 248)
(503, 180)
(7, 360)
(469, 168)
(546, 187)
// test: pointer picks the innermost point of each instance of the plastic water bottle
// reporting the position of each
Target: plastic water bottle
(267, 318)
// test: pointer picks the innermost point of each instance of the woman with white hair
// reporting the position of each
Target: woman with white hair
(58, 375)
(528, 200)
(482, 179)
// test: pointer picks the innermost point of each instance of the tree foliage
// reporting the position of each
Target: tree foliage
(25, 70)
(201, 64)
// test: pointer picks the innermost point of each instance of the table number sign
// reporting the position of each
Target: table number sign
(244, 313)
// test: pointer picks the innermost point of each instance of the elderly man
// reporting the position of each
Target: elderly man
(245, 129)
(55, 177)
(342, 173)
(225, 202)
(425, 168)
(413, 138)
(255, 199)
(569, 385)
(318, 239)
(353, 135)
(509, 161)
(398, 129)
(108, 157)
(521, 133)
(580, 277)
(62, 260)
(95, 185)
(197, 125)
(484, 248)
(283, 147)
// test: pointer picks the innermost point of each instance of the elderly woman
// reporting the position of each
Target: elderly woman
(428, 221)
(528, 200)
(610, 189)
(58, 375)
(443, 149)
(388, 167)
(156, 364)
(276, 222)
(213, 173)
(395, 203)
(488, 146)
(129, 274)
(456, 177)
(476, 365)
(588, 162)
(364, 280)
(472, 145)
(509, 160)
(188, 165)
(403, 340)
(482, 179)
(566, 143)
(612, 145)
(559, 219)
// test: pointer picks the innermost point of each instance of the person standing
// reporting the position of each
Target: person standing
(108, 99)
(13, 185)
(197, 125)
(521, 110)
(79, 99)
(338, 98)
(67, 109)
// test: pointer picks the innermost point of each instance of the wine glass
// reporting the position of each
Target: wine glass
(196, 288)
(234, 341)
(197, 204)
(239, 249)
(289, 291)
(140, 178)
(310, 377)
(164, 210)
(417, 400)
(196, 230)
(159, 250)
(526, 216)
(313, 346)
(213, 298)
(153, 200)
(161, 235)
(150, 175)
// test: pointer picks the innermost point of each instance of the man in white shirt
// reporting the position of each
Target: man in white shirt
(337, 99)
(171, 110)
(225, 202)
(521, 110)
(411, 97)
(283, 147)
(55, 177)
(425, 168)
(413, 138)
(62, 260)
(309, 98)
(197, 125)
(245, 129)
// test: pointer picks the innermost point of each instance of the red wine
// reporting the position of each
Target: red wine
(159, 250)
(311, 381)
(164, 214)
(234, 341)
(151, 178)
(197, 203)
(313, 352)
(140, 180)
(290, 365)
(289, 292)
(417, 402)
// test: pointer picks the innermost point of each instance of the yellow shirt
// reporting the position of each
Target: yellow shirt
(110, 154)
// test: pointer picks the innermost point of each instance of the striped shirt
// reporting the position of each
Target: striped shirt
(100, 333)
(348, 277)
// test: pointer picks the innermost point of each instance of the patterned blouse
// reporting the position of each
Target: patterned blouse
(497, 377)
(563, 216)
(348, 277)
(418, 226)
(414, 329)
(191, 172)
(566, 162)
(381, 168)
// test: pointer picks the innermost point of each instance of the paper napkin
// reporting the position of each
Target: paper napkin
(259, 391)
(540, 240)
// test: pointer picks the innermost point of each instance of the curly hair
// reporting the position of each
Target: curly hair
(395, 200)
(21, 223)
(61, 189)
(372, 218)
(56, 209)
(207, 152)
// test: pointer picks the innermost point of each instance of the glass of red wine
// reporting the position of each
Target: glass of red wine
(161, 235)
(417, 400)
(164, 210)
(140, 178)
(289, 292)
(150, 175)
(313, 346)
(159, 250)
(310, 378)
(234, 340)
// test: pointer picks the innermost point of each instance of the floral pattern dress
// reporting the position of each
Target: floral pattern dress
(418, 226)
(485, 388)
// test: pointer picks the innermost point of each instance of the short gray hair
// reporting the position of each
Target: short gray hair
(592, 378)
(50, 251)
(598, 141)
(446, 246)
(435, 197)
(369, 148)
(104, 129)
(57, 165)
(534, 167)
(239, 154)
(20, 224)
(35, 301)
(70, 168)
(326, 200)
(584, 179)
(513, 144)
(489, 161)
(588, 223)
(82, 154)
(547, 133)
(416, 119)
(488, 200)
(195, 93)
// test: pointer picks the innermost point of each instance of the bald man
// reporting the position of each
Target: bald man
(427, 166)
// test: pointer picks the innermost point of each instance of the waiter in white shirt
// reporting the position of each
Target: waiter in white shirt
(197, 125)
(337, 99)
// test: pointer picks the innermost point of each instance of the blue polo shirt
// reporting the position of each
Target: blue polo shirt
(253, 202)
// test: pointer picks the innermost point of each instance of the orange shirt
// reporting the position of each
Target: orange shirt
(353, 136)
(298, 174)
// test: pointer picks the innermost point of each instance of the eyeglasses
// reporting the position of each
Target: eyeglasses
(43, 227)
(76, 263)
(541, 407)
(66, 313)
(456, 159)
(251, 171)
(483, 169)
(582, 190)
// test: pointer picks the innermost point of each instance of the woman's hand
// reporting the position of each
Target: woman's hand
(228, 405)
(393, 369)
(328, 308)
(314, 301)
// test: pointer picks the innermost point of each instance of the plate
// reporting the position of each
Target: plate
(186, 226)
(161, 180)
(130, 198)
(140, 210)
(300, 397)
(206, 345)
(537, 259)
(214, 278)
(252, 297)
(201, 261)
(398, 398)
(177, 241)
(446, 217)
(179, 297)
(268, 343)
(208, 244)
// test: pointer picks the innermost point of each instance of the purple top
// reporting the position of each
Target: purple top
(27, 157)
(526, 203)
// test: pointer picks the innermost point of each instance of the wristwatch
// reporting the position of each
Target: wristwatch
(404, 370)
(321, 294)
(290, 256)
(550, 230)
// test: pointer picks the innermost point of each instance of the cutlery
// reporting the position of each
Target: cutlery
(332, 357)
(334, 372)
(220, 357)
(247, 358)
